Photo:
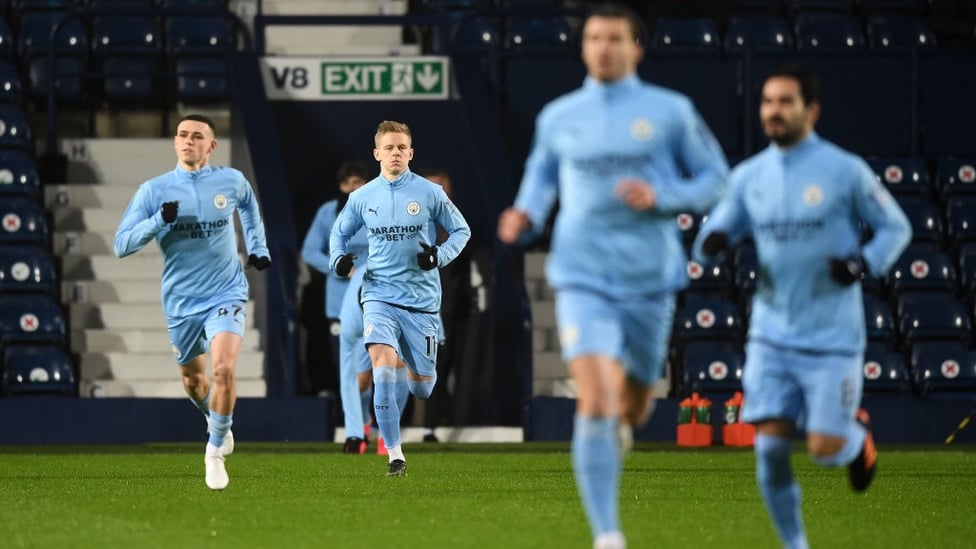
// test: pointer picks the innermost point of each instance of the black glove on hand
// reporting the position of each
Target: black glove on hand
(344, 265)
(846, 271)
(427, 259)
(259, 263)
(715, 244)
(169, 211)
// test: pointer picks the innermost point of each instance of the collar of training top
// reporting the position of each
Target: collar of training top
(610, 90)
(195, 174)
(803, 145)
(399, 181)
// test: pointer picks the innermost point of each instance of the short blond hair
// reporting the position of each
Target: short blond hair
(390, 126)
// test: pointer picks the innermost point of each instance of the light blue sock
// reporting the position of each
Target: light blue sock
(219, 425)
(352, 408)
(422, 389)
(367, 401)
(402, 390)
(385, 404)
(852, 447)
(779, 490)
(596, 464)
(203, 405)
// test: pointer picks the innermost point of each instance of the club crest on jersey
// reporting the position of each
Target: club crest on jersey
(176, 352)
(813, 195)
(220, 201)
(641, 129)
(413, 208)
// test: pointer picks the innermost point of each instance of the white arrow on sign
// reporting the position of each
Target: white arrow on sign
(428, 78)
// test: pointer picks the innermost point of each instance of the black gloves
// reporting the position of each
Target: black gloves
(427, 259)
(169, 211)
(344, 265)
(847, 270)
(259, 263)
(715, 244)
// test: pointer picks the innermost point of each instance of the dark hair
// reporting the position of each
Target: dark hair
(200, 118)
(351, 168)
(617, 11)
(809, 83)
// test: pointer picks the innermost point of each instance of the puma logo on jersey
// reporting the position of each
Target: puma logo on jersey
(376, 210)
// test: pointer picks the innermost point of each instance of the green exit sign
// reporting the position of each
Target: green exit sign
(392, 78)
(356, 78)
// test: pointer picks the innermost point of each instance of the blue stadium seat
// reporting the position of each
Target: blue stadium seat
(202, 80)
(206, 36)
(476, 34)
(758, 33)
(30, 318)
(746, 270)
(125, 35)
(539, 35)
(956, 176)
(885, 370)
(961, 220)
(71, 50)
(38, 369)
(919, 270)
(708, 318)
(879, 320)
(710, 366)
(712, 279)
(131, 81)
(898, 31)
(944, 368)
(27, 269)
(14, 128)
(69, 85)
(925, 217)
(828, 31)
(18, 174)
(7, 45)
(127, 49)
(932, 316)
(22, 221)
(10, 89)
(685, 34)
(966, 261)
(902, 175)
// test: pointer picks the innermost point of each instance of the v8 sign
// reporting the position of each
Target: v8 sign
(337, 79)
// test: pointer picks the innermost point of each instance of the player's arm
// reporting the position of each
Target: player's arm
(140, 223)
(699, 153)
(449, 217)
(892, 230)
(253, 225)
(537, 193)
(349, 221)
(315, 248)
(724, 227)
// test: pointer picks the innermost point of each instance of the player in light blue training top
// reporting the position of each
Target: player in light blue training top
(616, 152)
(315, 251)
(401, 293)
(190, 213)
(802, 200)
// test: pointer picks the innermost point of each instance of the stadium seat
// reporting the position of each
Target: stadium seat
(902, 176)
(37, 369)
(758, 33)
(708, 318)
(30, 318)
(688, 224)
(710, 366)
(10, 88)
(828, 31)
(939, 368)
(476, 34)
(18, 174)
(956, 176)
(918, 270)
(885, 370)
(27, 269)
(22, 221)
(127, 50)
(202, 80)
(925, 217)
(71, 50)
(69, 85)
(711, 279)
(961, 220)
(745, 271)
(539, 35)
(966, 261)
(125, 35)
(898, 31)
(14, 128)
(685, 34)
(7, 44)
(928, 317)
(879, 320)
(205, 36)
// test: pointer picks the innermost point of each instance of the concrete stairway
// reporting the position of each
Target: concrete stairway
(115, 313)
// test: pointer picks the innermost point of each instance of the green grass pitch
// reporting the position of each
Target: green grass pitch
(465, 495)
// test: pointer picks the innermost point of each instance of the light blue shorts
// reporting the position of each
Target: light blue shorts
(412, 334)
(818, 392)
(190, 336)
(634, 332)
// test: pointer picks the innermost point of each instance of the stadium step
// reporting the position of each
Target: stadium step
(543, 314)
(140, 341)
(93, 243)
(110, 197)
(170, 388)
(107, 291)
(155, 366)
(96, 218)
(123, 315)
(109, 267)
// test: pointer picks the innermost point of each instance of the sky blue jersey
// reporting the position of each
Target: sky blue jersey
(803, 205)
(589, 140)
(315, 252)
(201, 267)
(398, 215)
